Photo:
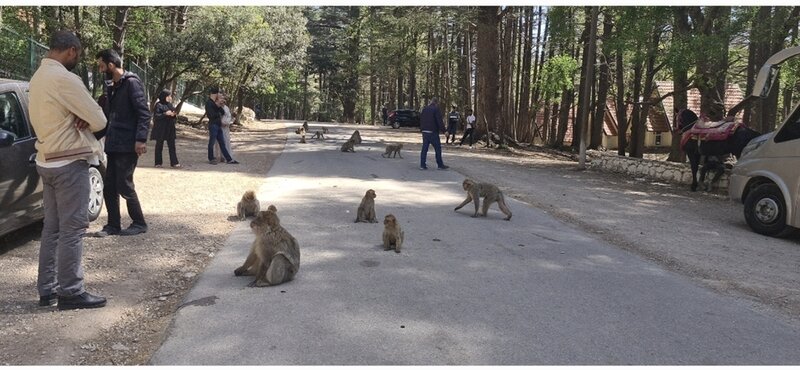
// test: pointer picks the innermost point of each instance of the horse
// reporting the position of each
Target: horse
(710, 153)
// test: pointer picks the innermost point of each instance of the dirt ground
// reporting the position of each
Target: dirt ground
(189, 213)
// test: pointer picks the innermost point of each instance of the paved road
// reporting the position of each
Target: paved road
(463, 291)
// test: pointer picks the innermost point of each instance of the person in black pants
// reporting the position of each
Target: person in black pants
(468, 129)
(214, 112)
(164, 129)
(126, 140)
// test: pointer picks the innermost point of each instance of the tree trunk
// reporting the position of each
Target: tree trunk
(525, 87)
(583, 92)
(680, 83)
(603, 85)
(119, 28)
(622, 108)
(487, 58)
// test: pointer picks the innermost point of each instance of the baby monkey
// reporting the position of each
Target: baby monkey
(392, 234)
(249, 206)
(392, 151)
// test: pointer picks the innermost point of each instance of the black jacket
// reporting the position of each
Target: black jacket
(163, 125)
(214, 113)
(128, 115)
(431, 119)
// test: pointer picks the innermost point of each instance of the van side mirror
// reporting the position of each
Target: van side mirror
(6, 138)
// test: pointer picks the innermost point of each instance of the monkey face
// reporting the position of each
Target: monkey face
(272, 208)
(265, 221)
(389, 221)
(371, 194)
(249, 195)
(467, 184)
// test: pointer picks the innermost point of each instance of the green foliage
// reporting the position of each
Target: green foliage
(558, 74)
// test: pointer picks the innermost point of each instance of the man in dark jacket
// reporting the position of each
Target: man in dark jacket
(431, 125)
(126, 140)
(215, 112)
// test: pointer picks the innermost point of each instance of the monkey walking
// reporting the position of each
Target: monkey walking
(392, 150)
(392, 234)
(248, 206)
(274, 255)
(318, 135)
(348, 146)
(366, 210)
(490, 194)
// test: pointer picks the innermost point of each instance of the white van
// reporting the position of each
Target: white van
(767, 180)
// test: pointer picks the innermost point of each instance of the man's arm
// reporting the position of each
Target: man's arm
(74, 96)
(212, 111)
(139, 104)
(437, 115)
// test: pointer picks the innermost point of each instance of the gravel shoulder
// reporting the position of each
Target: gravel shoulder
(146, 277)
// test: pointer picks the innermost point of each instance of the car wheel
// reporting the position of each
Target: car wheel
(95, 193)
(765, 211)
(395, 125)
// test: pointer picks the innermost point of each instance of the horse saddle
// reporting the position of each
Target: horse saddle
(710, 131)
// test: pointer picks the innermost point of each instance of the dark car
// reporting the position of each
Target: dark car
(20, 185)
(404, 118)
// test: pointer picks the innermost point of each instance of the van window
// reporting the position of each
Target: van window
(11, 117)
(790, 130)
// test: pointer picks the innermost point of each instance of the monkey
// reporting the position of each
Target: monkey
(272, 208)
(305, 125)
(274, 255)
(356, 137)
(318, 135)
(248, 206)
(366, 210)
(490, 194)
(392, 234)
(303, 139)
(392, 150)
(324, 130)
(348, 146)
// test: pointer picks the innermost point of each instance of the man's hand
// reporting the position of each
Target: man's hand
(80, 124)
(141, 148)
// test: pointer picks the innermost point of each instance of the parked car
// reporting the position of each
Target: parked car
(404, 118)
(20, 185)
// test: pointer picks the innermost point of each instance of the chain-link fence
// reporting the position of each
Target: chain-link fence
(19, 55)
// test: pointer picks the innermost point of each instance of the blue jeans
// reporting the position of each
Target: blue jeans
(215, 134)
(428, 139)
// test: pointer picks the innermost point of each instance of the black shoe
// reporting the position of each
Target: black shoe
(212, 162)
(444, 167)
(48, 300)
(233, 161)
(134, 229)
(84, 300)
(106, 231)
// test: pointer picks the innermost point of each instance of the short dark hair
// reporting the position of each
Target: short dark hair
(213, 90)
(63, 40)
(109, 56)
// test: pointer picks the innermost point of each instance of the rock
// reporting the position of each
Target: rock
(119, 347)
(162, 299)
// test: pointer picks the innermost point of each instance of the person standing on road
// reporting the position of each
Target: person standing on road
(453, 119)
(226, 122)
(431, 125)
(126, 140)
(469, 129)
(215, 112)
(164, 129)
(64, 116)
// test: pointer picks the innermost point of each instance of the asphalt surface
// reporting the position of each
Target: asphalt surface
(463, 291)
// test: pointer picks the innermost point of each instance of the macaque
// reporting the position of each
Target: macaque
(248, 206)
(348, 146)
(356, 137)
(366, 210)
(392, 150)
(318, 135)
(274, 255)
(392, 234)
(490, 194)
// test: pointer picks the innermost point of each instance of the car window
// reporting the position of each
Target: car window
(790, 130)
(11, 117)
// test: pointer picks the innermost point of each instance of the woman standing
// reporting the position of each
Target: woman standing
(164, 129)
(227, 121)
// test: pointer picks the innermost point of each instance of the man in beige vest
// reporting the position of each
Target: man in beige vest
(64, 116)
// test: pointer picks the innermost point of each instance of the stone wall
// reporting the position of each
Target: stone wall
(679, 173)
